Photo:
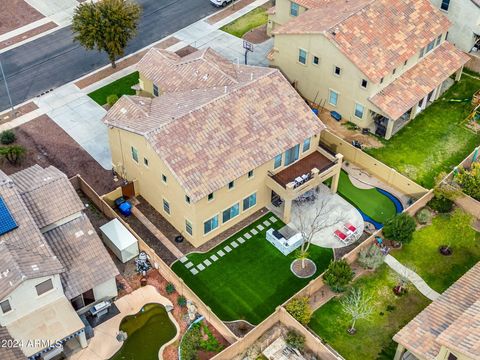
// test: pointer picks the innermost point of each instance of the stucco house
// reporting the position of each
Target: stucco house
(448, 328)
(52, 264)
(377, 63)
(465, 17)
(210, 142)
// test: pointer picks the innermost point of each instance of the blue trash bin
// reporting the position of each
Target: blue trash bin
(125, 208)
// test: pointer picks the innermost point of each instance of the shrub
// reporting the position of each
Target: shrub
(182, 301)
(13, 153)
(423, 216)
(170, 288)
(112, 99)
(338, 275)
(441, 204)
(371, 257)
(469, 180)
(295, 340)
(400, 228)
(300, 309)
(190, 343)
(7, 137)
(211, 344)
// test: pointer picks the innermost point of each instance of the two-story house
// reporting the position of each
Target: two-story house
(52, 264)
(213, 142)
(377, 63)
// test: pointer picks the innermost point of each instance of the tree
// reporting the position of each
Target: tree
(400, 228)
(357, 305)
(107, 25)
(469, 180)
(13, 153)
(338, 275)
(371, 257)
(295, 339)
(300, 309)
(7, 137)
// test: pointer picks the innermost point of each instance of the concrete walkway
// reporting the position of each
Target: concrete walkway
(416, 280)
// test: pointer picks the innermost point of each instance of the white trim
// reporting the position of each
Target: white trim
(355, 110)
(338, 95)
(306, 57)
(210, 218)
(169, 213)
(239, 212)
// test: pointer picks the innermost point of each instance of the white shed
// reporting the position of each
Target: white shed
(121, 241)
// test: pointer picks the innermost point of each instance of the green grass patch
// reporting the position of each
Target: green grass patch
(435, 140)
(119, 87)
(422, 254)
(251, 20)
(375, 334)
(252, 280)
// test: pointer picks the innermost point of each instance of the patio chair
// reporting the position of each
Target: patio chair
(350, 228)
(340, 236)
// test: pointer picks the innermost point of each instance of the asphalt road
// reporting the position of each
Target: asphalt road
(54, 59)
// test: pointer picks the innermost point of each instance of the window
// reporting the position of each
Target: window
(445, 5)
(145, 162)
(291, 155)
(5, 306)
(359, 109)
(293, 9)
(422, 52)
(381, 81)
(333, 98)
(164, 178)
(430, 46)
(439, 40)
(278, 161)
(231, 212)
(44, 287)
(302, 56)
(337, 70)
(231, 185)
(394, 71)
(187, 199)
(166, 206)
(188, 227)
(83, 300)
(210, 224)
(155, 90)
(306, 145)
(250, 174)
(134, 154)
(405, 63)
(452, 357)
(249, 202)
(364, 83)
(316, 60)
(210, 197)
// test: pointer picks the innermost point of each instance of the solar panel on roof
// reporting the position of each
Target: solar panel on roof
(7, 223)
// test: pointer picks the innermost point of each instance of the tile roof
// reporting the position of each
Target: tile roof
(211, 134)
(452, 320)
(9, 353)
(380, 32)
(36, 186)
(84, 269)
(413, 85)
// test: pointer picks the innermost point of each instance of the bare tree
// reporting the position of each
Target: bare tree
(357, 305)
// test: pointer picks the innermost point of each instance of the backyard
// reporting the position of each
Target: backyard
(374, 335)
(122, 86)
(249, 282)
(436, 140)
(251, 20)
(423, 256)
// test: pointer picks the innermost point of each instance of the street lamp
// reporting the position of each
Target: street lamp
(6, 87)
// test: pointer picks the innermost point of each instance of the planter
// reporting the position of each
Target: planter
(445, 250)
(303, 272)
(399, 291)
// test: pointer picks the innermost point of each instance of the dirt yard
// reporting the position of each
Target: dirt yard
(47, 144)
(15, 14)
(257, 35)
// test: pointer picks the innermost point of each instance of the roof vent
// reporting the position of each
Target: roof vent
(5, 273)
(79, 233)
(205, 77)
(123, 110)
(142, 102)
(35, 268)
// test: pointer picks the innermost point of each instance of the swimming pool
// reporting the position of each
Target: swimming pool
(148, 330)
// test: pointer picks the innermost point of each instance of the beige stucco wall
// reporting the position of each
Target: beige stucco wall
(106, 290)
(24, 298)
(282, 14)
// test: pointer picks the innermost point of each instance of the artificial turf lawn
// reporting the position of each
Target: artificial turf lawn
(436, 139)
(251, 20)
(119, 87)
(390, 314)
(252, 280)
(422, 255)
(373, 203)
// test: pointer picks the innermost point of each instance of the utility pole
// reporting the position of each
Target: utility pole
(6, 87)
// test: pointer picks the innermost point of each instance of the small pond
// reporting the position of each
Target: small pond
(147, 331)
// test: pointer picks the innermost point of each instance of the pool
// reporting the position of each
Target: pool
(148, 330)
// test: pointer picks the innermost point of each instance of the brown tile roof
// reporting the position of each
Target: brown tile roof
(452, 320)
(82, 253)
(9, 353)
(311, 4)
(413, 85)
(380, 32)
(36, 186)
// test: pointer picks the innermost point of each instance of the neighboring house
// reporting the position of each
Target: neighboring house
(52, 263)
(215, 142)
(448, 328)
(465, 17)
(378, 63)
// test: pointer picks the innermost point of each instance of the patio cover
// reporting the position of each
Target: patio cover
(413, 85)
(51, 323)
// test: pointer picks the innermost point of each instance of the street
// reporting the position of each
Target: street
(54, 59)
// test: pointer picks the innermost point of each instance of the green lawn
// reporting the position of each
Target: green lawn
(252, 280)
(422, 254)
(435, 141)
(251, 20)
(119, 87)
(390, 314)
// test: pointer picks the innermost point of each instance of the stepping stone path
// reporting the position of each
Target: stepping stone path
(247, 236)
(183, 259)
(266, 223)
(240, 240)
(214, 257)
(189, 265)
(228, 249)
(254, 232)
(200, 267)
(207, 262)
(220, 253)
(273, 219)
(194, 271)
(260, 227)
(234, 244)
